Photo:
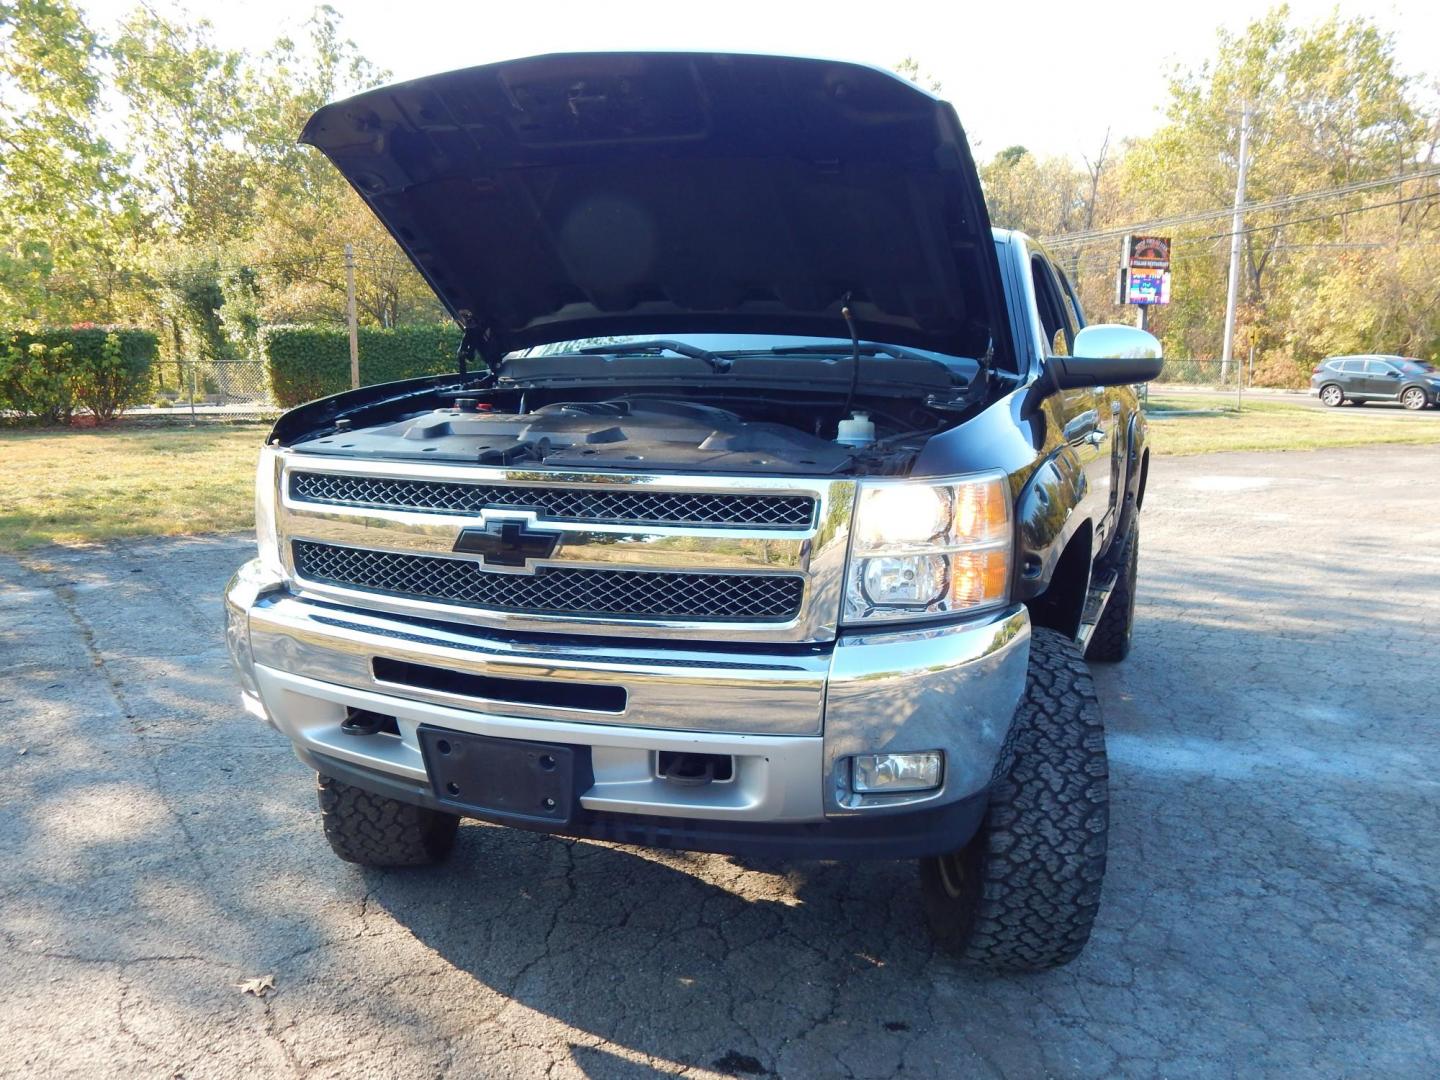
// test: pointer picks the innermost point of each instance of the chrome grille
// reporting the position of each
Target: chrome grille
(599, 504)
(556, 590)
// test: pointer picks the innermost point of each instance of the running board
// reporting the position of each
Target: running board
(1095, 601)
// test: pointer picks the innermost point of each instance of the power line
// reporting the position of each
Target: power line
(1078, 239)
(1324, 217)
(1105, 261)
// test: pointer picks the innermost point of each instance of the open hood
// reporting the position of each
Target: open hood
(595, 194)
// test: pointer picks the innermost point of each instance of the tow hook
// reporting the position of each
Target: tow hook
(693, 770)
(365, 722)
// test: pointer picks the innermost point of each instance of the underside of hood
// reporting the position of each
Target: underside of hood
(588, 195)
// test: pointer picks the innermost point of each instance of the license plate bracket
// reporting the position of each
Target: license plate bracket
(512, 779)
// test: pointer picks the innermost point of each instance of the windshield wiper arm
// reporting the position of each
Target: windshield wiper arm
(867, 348)
(657, 346)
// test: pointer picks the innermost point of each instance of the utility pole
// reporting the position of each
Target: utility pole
(354, 330)
(1236, 224)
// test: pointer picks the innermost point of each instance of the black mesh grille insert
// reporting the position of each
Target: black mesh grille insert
(603, 503)
(556, 590)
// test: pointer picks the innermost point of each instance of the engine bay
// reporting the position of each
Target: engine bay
(800, 415)
(628, 432)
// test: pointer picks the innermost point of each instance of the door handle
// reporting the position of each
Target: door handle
(1096, 437)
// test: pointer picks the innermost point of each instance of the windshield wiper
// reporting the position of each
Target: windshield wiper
(658, 346)
(866, 348)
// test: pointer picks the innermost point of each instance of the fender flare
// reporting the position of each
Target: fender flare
(1047, 518)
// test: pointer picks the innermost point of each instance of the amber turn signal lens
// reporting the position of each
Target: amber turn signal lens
(978, 578)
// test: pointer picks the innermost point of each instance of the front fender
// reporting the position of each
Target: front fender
(1047, 516)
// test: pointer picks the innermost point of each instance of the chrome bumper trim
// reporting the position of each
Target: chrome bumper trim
(791, 721)
(686, 688)
(952, 688)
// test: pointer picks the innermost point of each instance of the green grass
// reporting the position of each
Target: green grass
(1267, 424)
(75, 487)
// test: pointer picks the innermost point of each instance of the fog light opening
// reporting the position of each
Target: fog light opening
(883, 774)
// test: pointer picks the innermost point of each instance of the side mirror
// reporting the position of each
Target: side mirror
(1105, 355)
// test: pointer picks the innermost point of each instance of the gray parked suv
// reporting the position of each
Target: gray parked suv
(1358, 379)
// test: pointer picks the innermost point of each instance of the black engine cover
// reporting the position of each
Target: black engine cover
(625, 433)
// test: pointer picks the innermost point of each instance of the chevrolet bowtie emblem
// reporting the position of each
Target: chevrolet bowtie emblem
(508, 543)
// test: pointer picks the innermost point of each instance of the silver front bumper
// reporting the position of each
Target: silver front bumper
(791, 717)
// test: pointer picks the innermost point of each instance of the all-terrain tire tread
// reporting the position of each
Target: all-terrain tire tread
(1040, 856)
(373, 830)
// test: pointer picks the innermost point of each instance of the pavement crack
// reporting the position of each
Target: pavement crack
(65, 595)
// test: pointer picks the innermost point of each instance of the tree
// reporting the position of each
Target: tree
(64, 205)
(187, 120)
(1328, 108)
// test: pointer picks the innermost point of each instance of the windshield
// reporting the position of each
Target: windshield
(783, 346)
(1413, 367)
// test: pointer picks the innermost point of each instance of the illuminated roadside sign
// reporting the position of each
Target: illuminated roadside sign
(1146, 253)
(1148, 287)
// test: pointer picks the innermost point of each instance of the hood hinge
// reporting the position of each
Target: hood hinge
(479, 340)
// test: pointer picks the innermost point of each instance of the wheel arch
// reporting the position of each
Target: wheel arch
(1062, 604)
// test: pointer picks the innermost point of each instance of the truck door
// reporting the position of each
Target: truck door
(1088, 415)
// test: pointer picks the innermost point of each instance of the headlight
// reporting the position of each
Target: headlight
(267, 481)
(925, 549)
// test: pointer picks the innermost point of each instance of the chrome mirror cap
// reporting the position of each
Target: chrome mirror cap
(1113, 341)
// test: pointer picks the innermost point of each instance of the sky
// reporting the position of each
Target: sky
(1049, 76)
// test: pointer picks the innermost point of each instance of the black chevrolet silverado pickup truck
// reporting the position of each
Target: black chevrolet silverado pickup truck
(775, 506)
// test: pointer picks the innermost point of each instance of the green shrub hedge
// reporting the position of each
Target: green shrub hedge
(309, 362)
(50, 374)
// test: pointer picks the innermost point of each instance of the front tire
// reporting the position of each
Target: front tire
(1413, 399)
(1022, 895)
(373, 830)
(1331, 395)
(1110, 643)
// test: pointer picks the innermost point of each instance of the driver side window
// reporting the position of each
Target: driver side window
(1059, 332)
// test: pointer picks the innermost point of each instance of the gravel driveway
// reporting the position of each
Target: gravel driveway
(1271, 906)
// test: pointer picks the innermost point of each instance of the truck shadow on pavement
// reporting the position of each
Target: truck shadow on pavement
(679, 959)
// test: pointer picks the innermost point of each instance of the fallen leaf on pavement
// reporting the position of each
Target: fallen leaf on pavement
(259, 986)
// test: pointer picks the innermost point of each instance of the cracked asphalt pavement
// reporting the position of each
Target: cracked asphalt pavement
(1271, 905)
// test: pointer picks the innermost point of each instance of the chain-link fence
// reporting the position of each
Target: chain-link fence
(195, 390)
(1205, 374)
(1201, 385)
